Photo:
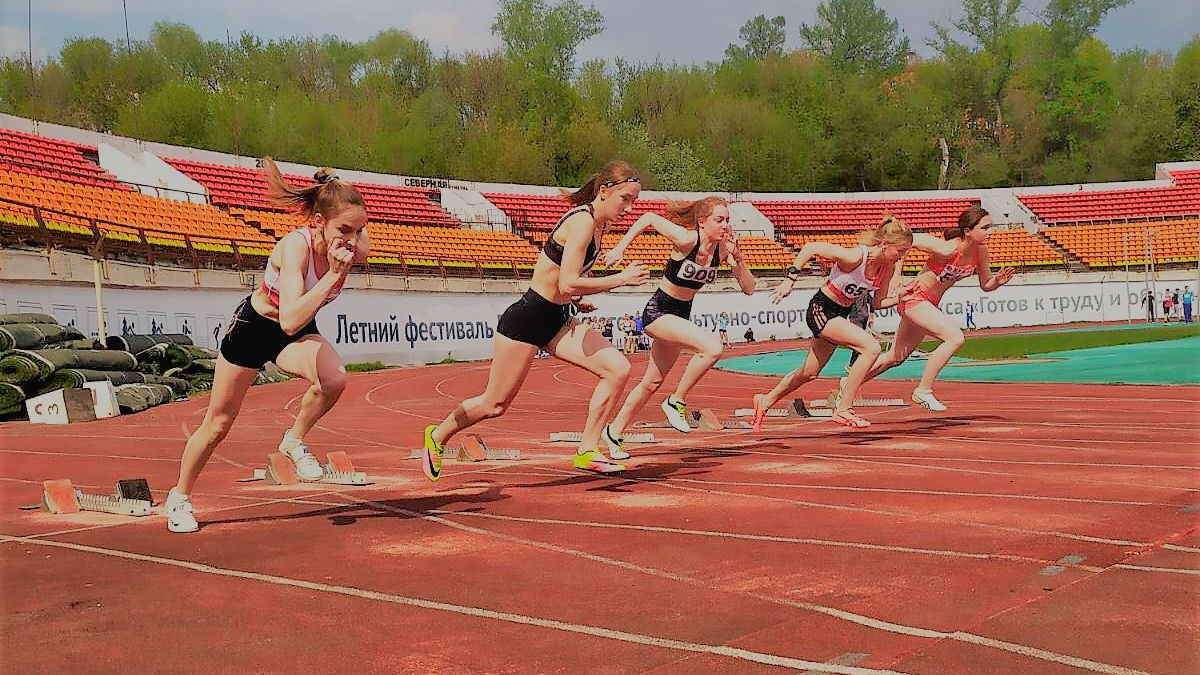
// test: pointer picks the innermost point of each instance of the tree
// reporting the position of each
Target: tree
(991, 23)
(544, 38)
(856, 36)
(763, 37)
(1073, 21)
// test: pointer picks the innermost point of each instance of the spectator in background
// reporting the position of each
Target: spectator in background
(1148, 301)
(1187, 304)
(723, 329)
(1175, 304)
(749, 334)
(971, 316)
(1166, 305)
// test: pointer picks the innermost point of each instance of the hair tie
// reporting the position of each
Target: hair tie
(324, 178)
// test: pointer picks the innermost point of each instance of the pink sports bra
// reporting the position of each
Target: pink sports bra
(270, 282)
(950, 270)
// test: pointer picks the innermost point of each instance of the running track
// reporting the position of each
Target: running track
(1031, 529)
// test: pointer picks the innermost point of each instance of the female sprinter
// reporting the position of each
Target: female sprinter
(960, 254)
(668, 316)
(868, 268)
(305, 271)
(543, 318)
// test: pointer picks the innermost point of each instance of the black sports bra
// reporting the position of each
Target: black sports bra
(687, 273)
(554, 250)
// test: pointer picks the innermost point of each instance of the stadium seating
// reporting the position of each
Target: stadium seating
(52, 158)
(835, 216)
(1181, 199)
(533, 213)
(237, 187)
(1115, 244)
(1011, 247)
(120, 214)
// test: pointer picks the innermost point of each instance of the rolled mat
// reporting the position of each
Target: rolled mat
(139, 343)
(25, 365)
(202, 366)
(138, 397)
(178, 385)
(163, 356)
(12, 399)
(83, 343)
(35, 335)
(6, 319)
(65, 378)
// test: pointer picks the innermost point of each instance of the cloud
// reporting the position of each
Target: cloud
(454, 29)
(14, 41)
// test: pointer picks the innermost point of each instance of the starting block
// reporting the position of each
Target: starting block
(339, 470)
(771, 412)
(576, 436)
(473, 449)
(860, 402)
(60, 496)
(707, 420)
(803, 411)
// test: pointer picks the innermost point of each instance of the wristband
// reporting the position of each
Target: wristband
(794, 273)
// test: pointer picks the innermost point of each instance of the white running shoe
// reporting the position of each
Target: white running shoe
(179, 513)
(616, 444)
(676, 412)
(307, 466)
(926, 399)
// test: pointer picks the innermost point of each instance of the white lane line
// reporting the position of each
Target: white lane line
(478, 612)
(945, 493)
(852, 617)
(1103, 465)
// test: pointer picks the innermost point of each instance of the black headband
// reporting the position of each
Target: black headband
(631, 179)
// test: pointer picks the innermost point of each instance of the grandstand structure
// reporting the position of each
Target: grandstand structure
(54, 192)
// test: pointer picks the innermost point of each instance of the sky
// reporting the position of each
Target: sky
(670, 31)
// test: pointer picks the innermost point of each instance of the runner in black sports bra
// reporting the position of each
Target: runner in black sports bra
(541, 319)
(668, 315)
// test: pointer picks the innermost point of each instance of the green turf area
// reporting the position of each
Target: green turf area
(1161, 362)
(1018, 345)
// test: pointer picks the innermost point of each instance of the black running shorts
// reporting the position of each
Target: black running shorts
(822, 309)
(251, 339)
(533, 319)
(662, 304)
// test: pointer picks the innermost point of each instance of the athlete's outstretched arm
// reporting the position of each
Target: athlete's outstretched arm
(679, 235)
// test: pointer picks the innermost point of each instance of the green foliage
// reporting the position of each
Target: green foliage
(763, 37)
(1015, 103)
(856, 36)
(364, 367)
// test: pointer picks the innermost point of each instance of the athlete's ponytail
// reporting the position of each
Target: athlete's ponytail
(613, 173)
(967, 220)
(689, 214)
(327, 197)
(891, 231)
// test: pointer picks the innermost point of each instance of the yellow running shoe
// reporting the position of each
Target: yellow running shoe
(596, 461)
(432, 461)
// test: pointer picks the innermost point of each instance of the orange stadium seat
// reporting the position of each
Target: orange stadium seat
(1115, 244)
(1181, 199)
(52, 158)
(245, 188)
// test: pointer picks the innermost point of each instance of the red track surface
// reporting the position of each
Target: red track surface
(1031, 529)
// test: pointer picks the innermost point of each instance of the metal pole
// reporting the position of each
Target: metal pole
(126, 11)
(101, 328)
(1128, 310)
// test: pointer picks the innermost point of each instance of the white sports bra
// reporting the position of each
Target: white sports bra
(846, 287)
(270, 282)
